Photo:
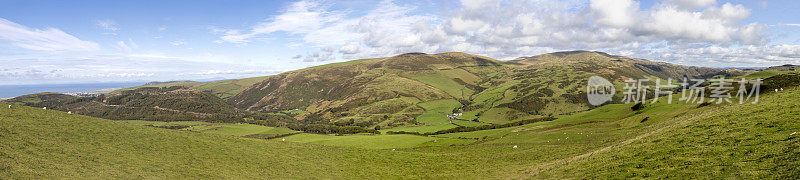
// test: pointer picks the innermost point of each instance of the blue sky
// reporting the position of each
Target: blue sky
(44, 42)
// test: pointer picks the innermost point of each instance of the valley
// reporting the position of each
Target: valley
(386, 117)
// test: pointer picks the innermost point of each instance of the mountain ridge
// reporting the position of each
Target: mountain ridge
(412, 91)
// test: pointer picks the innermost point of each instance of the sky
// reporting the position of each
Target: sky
(57, 42)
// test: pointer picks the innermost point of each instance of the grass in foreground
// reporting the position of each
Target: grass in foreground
(47, 143)
(376, 141)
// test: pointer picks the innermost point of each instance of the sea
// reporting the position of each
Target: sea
(10, 91)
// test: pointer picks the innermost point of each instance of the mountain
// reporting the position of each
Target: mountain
(356, 99)
(785, 67)
(223, 88)
(775, 70)
(418, 89)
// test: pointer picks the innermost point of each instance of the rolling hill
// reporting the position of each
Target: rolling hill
(409, 92)
(394, 92)
(175, 103)
(613, 141)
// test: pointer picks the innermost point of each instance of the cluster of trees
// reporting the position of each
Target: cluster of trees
(637, 106)
(477, 128)
(780, 81)
(190, 100)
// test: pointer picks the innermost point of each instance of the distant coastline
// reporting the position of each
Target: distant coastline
(11, 91)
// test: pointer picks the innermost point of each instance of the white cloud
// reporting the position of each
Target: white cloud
(690, 4)
(621, 13)
(350, 48)
(108, 24)
(178, 43)
(49, 39)
(236, 72)
(479, 4)
(508, 29)
(300, 17)
(122, 67)
(128, 46)
(132, 43)
(122, 46)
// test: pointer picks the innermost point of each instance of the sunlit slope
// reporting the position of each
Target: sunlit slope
(403, 92)
(150, 103)
(46, 143)
(391, 92)
(737, 141)
(223, 89)
(373, 92)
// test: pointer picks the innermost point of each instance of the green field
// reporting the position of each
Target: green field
(240, 129)
(376, 141)
(767, 73)
(219, 128)
(444, 83)
(46, 143)
(162, 123)
(421, 128)
(436, 111)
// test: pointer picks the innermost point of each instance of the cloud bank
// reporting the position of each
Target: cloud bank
(49, 39)
(672, 30)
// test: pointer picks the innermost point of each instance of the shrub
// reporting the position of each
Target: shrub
(637, 106)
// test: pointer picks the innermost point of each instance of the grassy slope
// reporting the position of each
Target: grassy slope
(218, 128)
(740, 141)
(368, 91)
(376, 141)
(240, 129)
(767, 73)
(46, 143)
(223, 89)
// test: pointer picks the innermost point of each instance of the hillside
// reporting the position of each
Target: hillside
(174, 103)
(46, 143)
(612, 141)
(223, 89)
(409, 92)
(168, 82)
(775, 70)
(786, 67)
(414, 91)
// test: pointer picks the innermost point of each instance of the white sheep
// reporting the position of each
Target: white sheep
(44, 108)
(70, 112)
(515, 146)
(283, 139)
(9, 106)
